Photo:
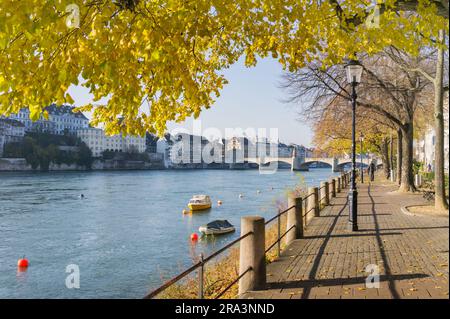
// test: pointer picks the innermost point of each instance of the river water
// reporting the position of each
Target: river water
(128, 232)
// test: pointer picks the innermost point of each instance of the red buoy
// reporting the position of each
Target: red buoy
(194, 237)
(23, 262)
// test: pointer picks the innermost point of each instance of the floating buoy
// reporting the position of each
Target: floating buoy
(258, 191)
(185, 211)
(194, 237)
(22, 263)
(240, 195)
(219, 202)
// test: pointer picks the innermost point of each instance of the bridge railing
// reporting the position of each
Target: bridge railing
(253, 251)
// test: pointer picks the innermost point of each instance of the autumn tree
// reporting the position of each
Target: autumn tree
(387, 89)
(149, 62)
(334, 137)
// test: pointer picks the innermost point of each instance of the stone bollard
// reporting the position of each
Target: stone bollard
(252, 254)
(338, 185)
(313, 201)
(324, 194)
(294, 218)
(333, 187)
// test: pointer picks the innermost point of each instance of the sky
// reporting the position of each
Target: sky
(251, 100)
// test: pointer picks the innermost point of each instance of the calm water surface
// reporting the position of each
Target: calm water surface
(127, 232)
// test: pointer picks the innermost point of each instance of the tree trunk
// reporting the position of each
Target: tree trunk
(391, 154)
(407, 178)
(440, 201)
(385, 157)
(399, 155)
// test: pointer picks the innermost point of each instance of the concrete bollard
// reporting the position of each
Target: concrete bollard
(338, 185)
(313, 201)
(333, 187)
(324, 194)
(294, 218)
(252, 254)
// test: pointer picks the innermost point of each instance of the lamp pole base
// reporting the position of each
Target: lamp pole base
(353, 210)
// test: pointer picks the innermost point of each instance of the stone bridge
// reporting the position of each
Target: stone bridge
(302, 164)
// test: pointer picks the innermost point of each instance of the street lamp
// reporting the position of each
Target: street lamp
(354, 71)
(361, 168)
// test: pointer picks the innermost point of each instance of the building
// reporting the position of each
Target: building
(151, 143)
(10, 131)
(61, 120)
(98, 142)
(425, 146)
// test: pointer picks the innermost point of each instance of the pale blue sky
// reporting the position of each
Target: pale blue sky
(252, 99)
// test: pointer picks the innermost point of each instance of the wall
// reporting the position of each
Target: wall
(20, 164)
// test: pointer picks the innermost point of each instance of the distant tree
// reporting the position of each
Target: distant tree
(84, 156)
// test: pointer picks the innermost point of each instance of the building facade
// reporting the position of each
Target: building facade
(61, 120)
(425, 146)
(98, 142)
(10, 131)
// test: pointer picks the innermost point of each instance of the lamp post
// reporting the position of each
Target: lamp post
(354, 71)
(361, 140)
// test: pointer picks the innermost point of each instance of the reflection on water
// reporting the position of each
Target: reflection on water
(126, 232)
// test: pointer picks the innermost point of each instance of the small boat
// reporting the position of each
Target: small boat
(200, 202)
(217, 227)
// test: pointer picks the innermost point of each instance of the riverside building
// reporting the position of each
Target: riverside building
(98, 142)
(61, 120)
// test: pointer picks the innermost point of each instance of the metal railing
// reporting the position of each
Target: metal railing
(200, 264)
(279, 235)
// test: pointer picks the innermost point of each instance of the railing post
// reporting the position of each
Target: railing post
(201, 271)
(324, 194)
(333, 187)
(252, 254)
(294, 218)
(313, 200)
(279, 235)
(338, 185)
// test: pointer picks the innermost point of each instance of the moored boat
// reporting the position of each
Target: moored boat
(199, 202)
(217, 227)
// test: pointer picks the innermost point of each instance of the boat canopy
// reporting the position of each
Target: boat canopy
(200, 197)
(218, 224)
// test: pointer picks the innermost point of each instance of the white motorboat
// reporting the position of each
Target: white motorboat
(217, 227)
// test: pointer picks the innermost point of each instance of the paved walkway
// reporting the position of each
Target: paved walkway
(411, 252)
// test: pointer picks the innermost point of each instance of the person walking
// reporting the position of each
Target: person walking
(372, 171)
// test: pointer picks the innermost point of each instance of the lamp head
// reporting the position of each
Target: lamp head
(354, 71)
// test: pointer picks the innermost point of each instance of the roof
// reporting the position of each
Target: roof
(12, 122)
(54, 109)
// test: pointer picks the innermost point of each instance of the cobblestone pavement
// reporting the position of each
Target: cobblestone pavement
(411, 252)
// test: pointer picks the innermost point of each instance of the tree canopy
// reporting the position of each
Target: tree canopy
(162, 60)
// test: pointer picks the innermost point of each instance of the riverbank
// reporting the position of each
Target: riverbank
(21, 165)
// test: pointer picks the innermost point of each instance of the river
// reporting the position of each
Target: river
(127, 232)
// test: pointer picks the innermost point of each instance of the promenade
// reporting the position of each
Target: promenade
(411, 252)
